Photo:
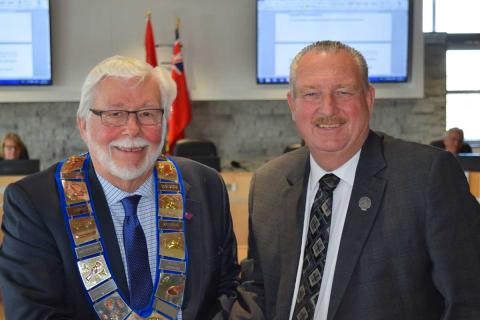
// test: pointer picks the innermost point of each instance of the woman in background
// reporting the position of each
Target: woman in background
(13, 147)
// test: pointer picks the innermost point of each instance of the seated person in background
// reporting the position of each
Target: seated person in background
(453, 142)
(13, 147)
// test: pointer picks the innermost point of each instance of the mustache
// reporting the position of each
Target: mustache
(328, 121)
(136, 142)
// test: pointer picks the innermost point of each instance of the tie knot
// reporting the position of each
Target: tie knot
(329, 182)
(130, 204)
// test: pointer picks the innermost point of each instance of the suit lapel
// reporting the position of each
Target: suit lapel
(293, 191)
(358, 222)
(107, 230)
(192, 235)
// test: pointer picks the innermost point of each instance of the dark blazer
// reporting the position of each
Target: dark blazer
(38, 273)
(414, 254)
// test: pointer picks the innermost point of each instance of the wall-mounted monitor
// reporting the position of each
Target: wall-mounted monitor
(25, 51)
(380, 30)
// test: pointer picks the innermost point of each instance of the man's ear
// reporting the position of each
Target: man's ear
(291, 103)
(82, 127)
(370, 98)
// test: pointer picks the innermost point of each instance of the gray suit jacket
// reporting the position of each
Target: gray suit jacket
(415, 254)
(38, 273)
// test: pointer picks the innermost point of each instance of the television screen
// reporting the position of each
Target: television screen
(25, 42)
(380, 30)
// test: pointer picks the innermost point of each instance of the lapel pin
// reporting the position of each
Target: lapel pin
(188, 215)
(365, 203)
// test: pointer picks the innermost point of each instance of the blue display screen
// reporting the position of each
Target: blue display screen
(380, 30)
(25, 50)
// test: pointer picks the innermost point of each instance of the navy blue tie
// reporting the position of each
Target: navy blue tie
(136, 252)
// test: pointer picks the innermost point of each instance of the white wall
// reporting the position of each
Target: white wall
(219, 47)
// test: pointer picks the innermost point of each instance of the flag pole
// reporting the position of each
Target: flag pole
(181, 113)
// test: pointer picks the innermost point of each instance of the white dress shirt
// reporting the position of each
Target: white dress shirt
(341, 199)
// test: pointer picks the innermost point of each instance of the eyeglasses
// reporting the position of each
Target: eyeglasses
(118, 118)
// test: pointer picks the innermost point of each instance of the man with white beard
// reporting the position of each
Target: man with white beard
(121, 231)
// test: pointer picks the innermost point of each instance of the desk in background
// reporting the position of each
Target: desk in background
(474, 182)
(4, 182)
(471, 164)
(238, 184)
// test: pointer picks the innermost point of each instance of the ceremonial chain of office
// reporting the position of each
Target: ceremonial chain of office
(88, 245)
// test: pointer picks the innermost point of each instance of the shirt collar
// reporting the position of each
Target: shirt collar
(345, 172)
(114, 194)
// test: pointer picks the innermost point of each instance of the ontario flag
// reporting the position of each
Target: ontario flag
(181, 113)
(150, 51)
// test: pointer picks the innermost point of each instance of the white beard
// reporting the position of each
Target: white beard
(104, 156)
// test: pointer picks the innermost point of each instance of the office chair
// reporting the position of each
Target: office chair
(466, 148)
(203, 151)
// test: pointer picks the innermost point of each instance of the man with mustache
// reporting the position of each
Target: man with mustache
(357, 225)
(160, 228)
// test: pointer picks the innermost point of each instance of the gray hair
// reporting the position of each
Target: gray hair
(333, 47)
(456, 130)
(126, 67)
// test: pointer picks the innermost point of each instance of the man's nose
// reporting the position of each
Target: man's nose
(327, 104)
(132, 127)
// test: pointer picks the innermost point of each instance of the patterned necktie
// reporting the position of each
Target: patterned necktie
(315, 249)
(136, 253)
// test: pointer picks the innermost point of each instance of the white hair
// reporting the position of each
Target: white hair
(127, 67)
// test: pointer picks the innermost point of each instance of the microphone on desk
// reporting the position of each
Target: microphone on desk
(237, 165)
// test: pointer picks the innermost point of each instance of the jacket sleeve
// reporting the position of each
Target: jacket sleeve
(453, 238)
(250, 300)
(31, 270)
